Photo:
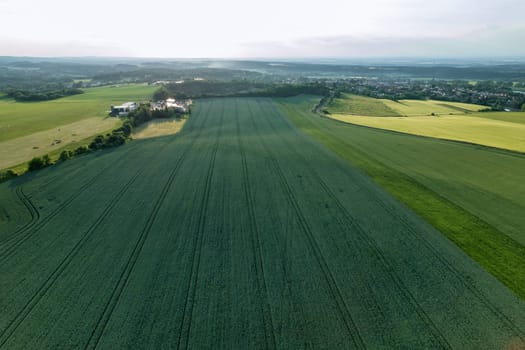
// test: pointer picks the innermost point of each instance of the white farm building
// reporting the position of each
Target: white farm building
(124, 109)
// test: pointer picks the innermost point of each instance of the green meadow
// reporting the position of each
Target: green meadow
(24, 118)
(31, 129)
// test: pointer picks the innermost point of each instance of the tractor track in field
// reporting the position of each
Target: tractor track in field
(469, 286)
(334, 289)
(40, 222)
(48, 283)
(187, 313)
(83, 168)
(332, 284)
(31, 208)
(29, 231)
(59, 208)
(25, 311)
(112, 302)
(387, 268)
(33, 301)
(370, 242)
(256, 244)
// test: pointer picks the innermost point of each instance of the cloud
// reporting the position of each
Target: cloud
(206, 28)
(24, 47)
(486, 42)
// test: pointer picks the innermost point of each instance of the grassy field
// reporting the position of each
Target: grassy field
(475, 195)
(25, 118)
(444, 120)
(158, 127)
(15, 151)
(251, 235)
(416, 108)
(482, 131)
(373, 107)
(511, 117)
(360, 105)
(31, 129)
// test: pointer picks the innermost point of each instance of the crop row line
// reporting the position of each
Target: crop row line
(39, 294)
(372, 246)
(332, 284)
(25, 234)
(187, 315)
(472, 288)
(112, 302)
(67, 201)
(334, 288)
(85, 164)
(372, 306)
(33, 301)
(256, 244)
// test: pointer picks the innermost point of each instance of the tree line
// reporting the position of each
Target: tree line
(243, 88)
(36, 96)
(115, 138)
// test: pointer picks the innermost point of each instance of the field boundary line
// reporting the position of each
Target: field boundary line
(472, 288)
(509, 152)
(67, 201)
(370, 242)
(419, 184)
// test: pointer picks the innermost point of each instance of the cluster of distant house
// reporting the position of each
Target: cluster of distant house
(124, 109)
(177, 105)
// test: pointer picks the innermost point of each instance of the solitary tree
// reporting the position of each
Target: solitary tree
(35, 164)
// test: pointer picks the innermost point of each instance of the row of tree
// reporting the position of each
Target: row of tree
(201, 89)
(116, 138)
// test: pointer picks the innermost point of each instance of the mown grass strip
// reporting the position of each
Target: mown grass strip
(499, 254)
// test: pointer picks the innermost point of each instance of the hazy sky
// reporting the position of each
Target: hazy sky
(270, 28)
